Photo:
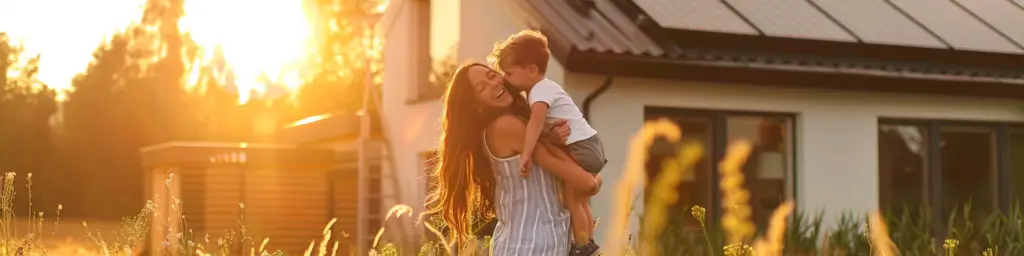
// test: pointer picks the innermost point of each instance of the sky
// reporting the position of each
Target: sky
(65, 32)
(68, 32)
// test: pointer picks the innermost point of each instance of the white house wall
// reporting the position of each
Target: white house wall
(409, 127)
(414, 127)
(837, 158)
(486, 22)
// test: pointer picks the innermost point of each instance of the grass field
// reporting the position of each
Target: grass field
(791, 232)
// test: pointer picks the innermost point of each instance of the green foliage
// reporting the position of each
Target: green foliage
(27, 107)
(678, 239)
(911, 229)
(849, 236)
(803, 234)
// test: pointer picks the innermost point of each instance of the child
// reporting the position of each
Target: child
(523, 58)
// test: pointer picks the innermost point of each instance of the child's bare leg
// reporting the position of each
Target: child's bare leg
(585, 203)
(577, 216)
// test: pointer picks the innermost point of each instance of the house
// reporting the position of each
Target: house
(851, 105)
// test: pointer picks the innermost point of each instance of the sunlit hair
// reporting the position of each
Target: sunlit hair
(463, 178)
(528, 47)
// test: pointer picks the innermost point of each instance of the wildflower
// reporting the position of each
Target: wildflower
(882, 245)
(739, 249)
(664, 193)
(736, 219)
(633, 178)
(950, 246)
(771, 244)
(698, 213)
(990, 252)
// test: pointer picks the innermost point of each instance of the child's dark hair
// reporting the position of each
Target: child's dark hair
(528, 47)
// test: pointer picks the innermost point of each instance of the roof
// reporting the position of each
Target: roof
(204, 153)
(326, 127)
(962, 47)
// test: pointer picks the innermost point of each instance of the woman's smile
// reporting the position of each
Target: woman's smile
(501, 92)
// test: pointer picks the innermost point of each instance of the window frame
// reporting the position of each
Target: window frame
(933, 166)
(422, 89)
(719, 143)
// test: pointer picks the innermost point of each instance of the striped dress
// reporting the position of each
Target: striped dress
(531, 218)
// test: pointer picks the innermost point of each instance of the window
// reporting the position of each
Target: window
(435, 48)
(421, 88)
(945, 164)
(768, 171)
(1016, 162)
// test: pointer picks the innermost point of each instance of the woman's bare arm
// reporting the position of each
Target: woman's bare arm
(510, 132)
(558, 133)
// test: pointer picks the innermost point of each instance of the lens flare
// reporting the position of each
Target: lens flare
(263, 43)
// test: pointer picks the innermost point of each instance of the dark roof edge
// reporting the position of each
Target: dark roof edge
(683, 70)
(823, 48)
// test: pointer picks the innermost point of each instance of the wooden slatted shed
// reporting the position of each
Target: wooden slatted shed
(290, 190)
(284, 190)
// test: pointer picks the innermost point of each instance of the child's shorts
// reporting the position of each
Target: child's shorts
(589, 154)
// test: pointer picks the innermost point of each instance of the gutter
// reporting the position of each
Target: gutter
(593, 95)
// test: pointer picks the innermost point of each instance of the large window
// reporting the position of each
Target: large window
(426, 86)
(943, 165)
(434, 49)
(768, 171)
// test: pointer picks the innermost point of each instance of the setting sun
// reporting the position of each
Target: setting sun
(264, 43)
(252, 48)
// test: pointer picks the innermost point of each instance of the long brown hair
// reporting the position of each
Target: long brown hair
(464, 180)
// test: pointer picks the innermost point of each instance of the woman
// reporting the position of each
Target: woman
(482, 133)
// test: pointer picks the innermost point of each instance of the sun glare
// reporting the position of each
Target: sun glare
(65, 36)
(264, 43)
(255, 48)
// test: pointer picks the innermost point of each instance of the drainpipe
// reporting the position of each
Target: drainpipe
(593, 95)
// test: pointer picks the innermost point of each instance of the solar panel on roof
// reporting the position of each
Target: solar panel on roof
(790, 18)
(1004, 16)
(704, 15)
(875, 21)
(955, 25)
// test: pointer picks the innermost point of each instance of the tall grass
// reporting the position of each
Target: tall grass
(790, 231)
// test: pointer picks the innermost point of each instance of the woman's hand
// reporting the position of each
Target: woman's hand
(558, 132)
(512, 130)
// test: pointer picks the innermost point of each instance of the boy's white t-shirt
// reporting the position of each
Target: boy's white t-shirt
(561, 106)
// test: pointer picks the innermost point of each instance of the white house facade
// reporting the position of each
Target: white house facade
(871, 106)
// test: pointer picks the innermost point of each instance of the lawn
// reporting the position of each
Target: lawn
(790, 232)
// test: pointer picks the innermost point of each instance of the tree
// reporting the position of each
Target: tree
(134, 95)
(340, 73)
(27, 107)
(129, 97)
